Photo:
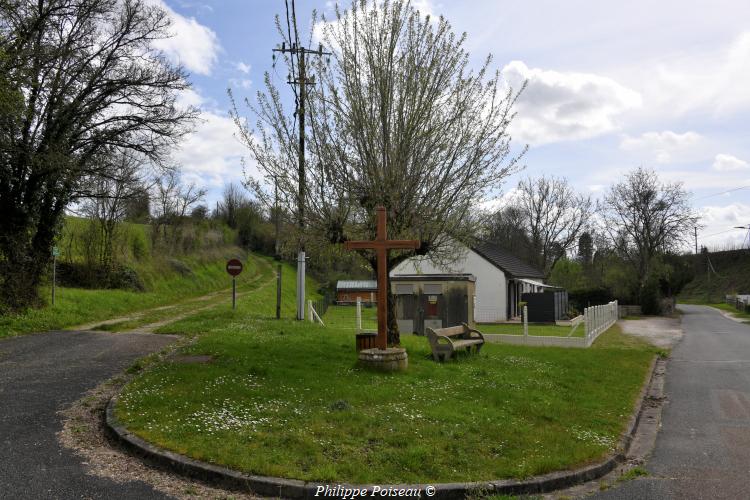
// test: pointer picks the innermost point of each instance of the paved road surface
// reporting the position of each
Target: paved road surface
(703, 448)
(39, 375)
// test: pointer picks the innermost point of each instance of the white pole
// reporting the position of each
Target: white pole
(54, 276)
(526, 322)
(359, 314)
(301, 285)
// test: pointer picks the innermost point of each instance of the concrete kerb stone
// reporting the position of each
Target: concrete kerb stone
(293, 488)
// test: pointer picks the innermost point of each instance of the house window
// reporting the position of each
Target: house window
(433, 289)
(404, 289)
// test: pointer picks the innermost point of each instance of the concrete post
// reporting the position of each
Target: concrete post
(359, 314)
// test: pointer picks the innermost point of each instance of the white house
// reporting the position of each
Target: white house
(501, 278)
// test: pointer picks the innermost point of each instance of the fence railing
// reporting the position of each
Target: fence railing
(595, 320)
(598, 319)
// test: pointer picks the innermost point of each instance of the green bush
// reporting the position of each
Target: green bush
(139, 245)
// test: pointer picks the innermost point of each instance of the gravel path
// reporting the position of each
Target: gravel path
(660, 331)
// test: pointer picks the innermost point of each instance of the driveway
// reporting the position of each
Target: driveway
(703, 448)
(39, 375)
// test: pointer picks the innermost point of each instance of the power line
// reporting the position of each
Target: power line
(720, 232)
(723, 192)
(299, 78)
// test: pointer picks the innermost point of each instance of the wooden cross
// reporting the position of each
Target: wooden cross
(381, 245)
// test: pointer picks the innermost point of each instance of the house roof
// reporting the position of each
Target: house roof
(434, 277)
(356, 285)
(506, 262)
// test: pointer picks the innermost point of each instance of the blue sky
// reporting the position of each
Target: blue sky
(612, 85)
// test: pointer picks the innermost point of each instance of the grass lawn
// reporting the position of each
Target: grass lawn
(345, 317)
(539, 329)
(75, 306)
(284, 398)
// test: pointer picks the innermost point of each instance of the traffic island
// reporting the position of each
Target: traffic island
(299, 489)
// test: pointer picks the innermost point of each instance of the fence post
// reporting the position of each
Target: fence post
(526, 323)
(586, 321)
(359, 314)
(309, 311)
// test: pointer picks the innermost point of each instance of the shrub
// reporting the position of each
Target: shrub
(138, 245)
(585, 297)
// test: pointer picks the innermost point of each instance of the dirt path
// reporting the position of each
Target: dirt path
(177, 311)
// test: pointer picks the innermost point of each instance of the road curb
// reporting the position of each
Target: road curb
(292, 488)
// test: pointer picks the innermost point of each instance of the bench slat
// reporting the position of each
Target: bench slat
(449, 332)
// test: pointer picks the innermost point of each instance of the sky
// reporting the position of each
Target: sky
(611, 86)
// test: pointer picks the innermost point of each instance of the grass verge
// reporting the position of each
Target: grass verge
(75, 306)
(284, 398)
(730, 309)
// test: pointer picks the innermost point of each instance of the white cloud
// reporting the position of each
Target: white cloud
(189, 97)
(558, 106)
(726, 163)
(244, 68)
(241, 83)
(424, 7)
(194, 45)
(211, 155)
(719, 224)
(663, 145)
(707, 82)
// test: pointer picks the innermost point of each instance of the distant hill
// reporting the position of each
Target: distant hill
(730, 273)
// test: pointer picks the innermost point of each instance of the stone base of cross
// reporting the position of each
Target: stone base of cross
(381, 245)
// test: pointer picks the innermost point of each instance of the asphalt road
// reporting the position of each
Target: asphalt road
(39, 375)
(703, 447)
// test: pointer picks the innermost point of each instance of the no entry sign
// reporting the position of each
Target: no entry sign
(234, 267)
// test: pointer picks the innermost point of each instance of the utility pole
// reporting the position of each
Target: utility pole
(696, 240)
(299, 80)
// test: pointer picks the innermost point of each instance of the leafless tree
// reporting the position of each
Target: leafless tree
(644, 217)
(232, 200)
(506, 228)
(554, 216)
(187, 197)
(78, 78)
(109, 194)
(396, 118)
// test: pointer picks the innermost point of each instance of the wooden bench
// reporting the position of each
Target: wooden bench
(446, 341)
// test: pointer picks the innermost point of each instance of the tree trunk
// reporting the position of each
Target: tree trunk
(394, 336)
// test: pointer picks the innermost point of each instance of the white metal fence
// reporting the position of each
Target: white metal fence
(596, 320)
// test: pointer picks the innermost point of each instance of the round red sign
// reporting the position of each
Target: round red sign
(234, 267)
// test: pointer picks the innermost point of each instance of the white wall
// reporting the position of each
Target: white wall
(491, 286)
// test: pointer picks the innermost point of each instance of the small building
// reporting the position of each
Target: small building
(501, 279)
(347, 291)
(433, 301)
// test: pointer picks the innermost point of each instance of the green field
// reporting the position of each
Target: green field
(285, 398)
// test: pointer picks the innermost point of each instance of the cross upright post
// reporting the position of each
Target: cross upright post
(381, 245)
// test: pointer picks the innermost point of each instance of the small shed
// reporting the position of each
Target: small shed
(433, 301)
(548, 306)
(347, 291)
